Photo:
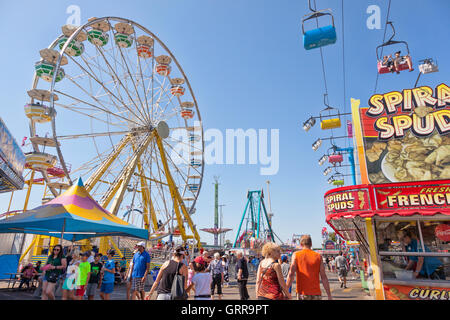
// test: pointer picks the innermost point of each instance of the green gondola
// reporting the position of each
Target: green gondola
(123, 40)
(74, 49)
(45, 70)
(98, 37)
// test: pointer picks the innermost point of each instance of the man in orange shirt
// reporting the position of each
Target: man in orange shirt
(308, 266)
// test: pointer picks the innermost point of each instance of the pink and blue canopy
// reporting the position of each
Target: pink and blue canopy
(75, 214)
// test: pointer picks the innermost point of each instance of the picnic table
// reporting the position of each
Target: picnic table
(15, 276)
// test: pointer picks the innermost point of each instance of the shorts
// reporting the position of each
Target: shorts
(69, 284)
(342, 272)
(309, 297)
(164, 296)
(80, 291)
(107, 287)
(91, 289)
(137, 284)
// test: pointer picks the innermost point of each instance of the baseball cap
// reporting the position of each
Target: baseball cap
(284, 257)
(200, 260)
(111, 252)
(141, 244)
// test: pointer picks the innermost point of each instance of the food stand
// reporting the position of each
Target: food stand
(400, 213)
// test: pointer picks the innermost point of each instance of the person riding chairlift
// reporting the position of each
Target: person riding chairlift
(387, 62)
(399, 59)
(393, 63)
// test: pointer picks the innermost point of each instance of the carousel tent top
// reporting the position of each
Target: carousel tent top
(75, 214)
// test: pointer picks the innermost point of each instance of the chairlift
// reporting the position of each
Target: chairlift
(403, 65)
(336, 159)
(338, 179)
(319, 37)
(332, 123)
(428, 66)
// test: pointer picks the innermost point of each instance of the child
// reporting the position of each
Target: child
(117, 277)
(84, 269)
(123, 268)
(201, 281)
(108, 271)
(27, 274)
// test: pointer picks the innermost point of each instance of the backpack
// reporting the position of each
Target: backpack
(178, 292)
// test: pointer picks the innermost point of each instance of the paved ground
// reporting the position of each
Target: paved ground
(353, 291)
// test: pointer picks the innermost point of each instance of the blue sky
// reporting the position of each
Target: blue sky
(248, 69)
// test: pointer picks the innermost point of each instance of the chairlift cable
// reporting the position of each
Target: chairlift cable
(323, 64)
(343, 71)
(384, 38)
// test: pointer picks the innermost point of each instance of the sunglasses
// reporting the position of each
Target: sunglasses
(56, 249)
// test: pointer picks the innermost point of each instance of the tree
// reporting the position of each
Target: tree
(332, 236)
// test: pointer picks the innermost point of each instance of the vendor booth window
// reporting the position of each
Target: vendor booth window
(398, 240)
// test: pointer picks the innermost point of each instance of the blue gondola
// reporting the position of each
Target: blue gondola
(319, 37)
(196, 163)
(193, 187)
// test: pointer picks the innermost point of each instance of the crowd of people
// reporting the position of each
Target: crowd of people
(342, 265)
(201, 275)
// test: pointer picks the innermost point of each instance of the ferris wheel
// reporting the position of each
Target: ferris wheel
(111, 104)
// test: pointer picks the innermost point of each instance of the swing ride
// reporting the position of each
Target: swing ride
(110, 107)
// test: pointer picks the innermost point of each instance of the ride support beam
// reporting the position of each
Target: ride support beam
(240, 224)
(268, 222)
(126, 174)
(116, 248)
(178, 201)
(146, 198)
(28, 249)
(30, 184)
(259, 216)
(95, 177)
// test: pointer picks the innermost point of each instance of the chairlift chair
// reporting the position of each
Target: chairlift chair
(332, 123)
(319, 37)
(428, 66)
(336, 159)
(384, 69)
(338, 179)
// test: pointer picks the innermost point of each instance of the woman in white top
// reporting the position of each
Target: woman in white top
(69, 285)
(201, 281)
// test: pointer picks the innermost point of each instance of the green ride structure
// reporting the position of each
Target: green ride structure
(258, 228)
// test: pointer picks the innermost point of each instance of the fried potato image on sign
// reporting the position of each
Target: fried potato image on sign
(416, 159)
